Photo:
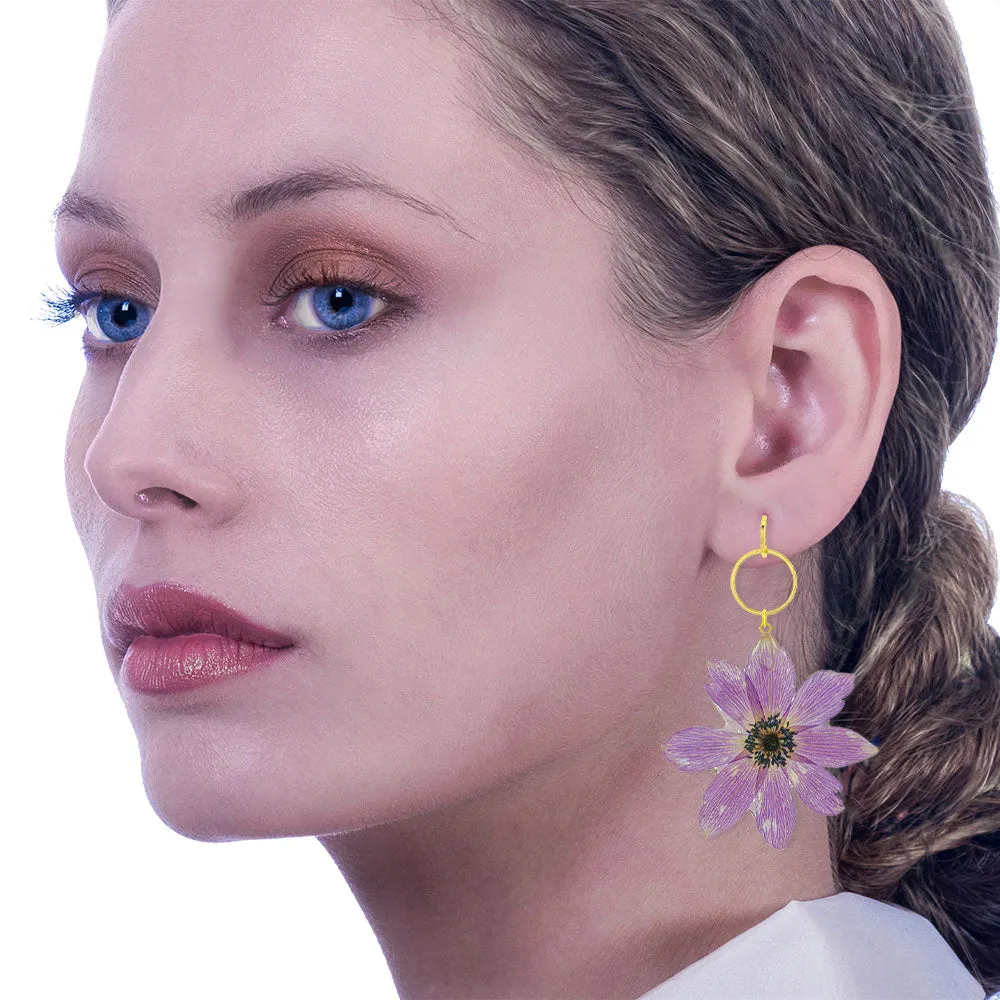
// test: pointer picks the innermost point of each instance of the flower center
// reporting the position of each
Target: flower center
(769, 742)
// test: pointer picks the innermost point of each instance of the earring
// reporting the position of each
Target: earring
(776, 739)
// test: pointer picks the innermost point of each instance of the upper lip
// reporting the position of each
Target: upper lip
(165, 609)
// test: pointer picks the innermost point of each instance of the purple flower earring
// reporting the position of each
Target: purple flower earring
(776, 739)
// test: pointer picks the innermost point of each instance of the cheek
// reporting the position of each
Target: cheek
(497, 607)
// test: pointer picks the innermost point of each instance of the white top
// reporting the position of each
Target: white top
(840, 947)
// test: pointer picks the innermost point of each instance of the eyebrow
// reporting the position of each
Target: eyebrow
(291, 186)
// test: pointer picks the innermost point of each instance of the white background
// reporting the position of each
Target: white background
(97, 894)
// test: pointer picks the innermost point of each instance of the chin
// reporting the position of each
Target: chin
(214, 810)
(218, 795)
(220, 790)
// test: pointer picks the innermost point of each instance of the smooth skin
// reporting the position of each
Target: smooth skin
(501, 530)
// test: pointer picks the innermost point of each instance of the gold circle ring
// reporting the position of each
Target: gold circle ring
(763, 551)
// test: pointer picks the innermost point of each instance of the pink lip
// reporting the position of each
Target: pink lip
(166, 609)
(173, 637)
(181, 662)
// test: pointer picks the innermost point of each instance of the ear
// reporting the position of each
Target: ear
(813, 353)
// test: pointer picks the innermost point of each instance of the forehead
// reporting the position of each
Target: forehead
(193, 99)
(270, 70)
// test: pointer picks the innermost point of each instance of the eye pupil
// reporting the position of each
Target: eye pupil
(343, 300)
(116, 316)
(125, 307)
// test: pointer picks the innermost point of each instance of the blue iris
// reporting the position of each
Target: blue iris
(341, 304)
(122, 312)
(338, 306)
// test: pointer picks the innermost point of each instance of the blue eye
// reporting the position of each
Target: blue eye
(67, 304)
(331, 303)
(340, 306)
(115, 318)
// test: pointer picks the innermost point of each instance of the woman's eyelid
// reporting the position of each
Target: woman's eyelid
(368, 275)
(312, 271)
(110, 281)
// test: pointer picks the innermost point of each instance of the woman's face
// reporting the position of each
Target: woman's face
(477, 519)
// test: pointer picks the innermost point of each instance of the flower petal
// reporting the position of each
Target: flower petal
(820, 698)
(767, 653)
(727, 687)
(774, 807)
(832, 746)
(728, 796)
(817, 788)
(773, 679)
(699, 747)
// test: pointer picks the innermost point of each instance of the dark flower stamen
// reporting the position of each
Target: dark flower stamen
(769, 742)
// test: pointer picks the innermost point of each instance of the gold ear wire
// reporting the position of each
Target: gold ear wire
(764, 551)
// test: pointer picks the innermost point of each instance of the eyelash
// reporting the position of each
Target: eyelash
(67, 303)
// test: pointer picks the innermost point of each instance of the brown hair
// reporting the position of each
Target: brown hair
(726, 135)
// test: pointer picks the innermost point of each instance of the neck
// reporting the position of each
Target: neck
(587, 878)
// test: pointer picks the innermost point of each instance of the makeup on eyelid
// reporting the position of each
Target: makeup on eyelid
(420, 261)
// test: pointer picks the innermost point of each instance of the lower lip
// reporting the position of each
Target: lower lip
(181, 662)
